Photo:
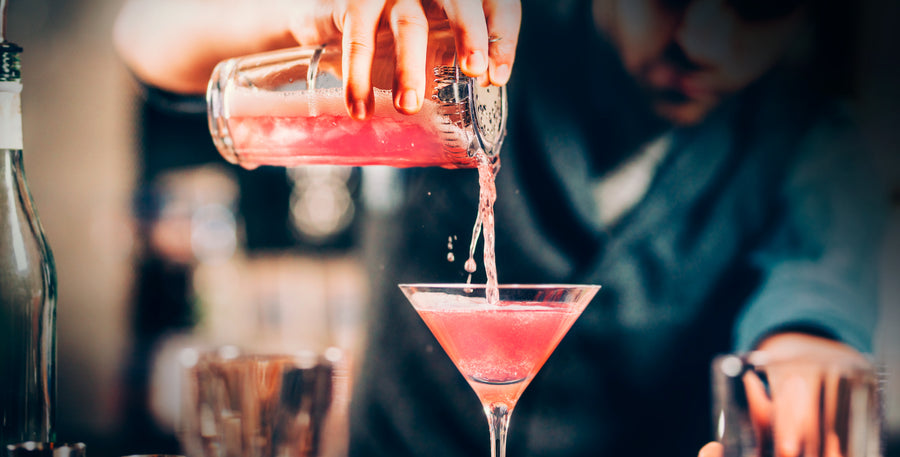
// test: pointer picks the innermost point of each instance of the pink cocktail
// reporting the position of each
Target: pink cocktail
(499, 346)
(328, 139)
(312, 127)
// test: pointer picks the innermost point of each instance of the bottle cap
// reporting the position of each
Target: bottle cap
(10, 68)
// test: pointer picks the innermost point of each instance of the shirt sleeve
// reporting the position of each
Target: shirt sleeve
(819, 267)
(169, 101)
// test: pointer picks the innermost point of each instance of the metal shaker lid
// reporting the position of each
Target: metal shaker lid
(469, 107)
(488, 113)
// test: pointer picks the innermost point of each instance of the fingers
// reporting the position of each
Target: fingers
(795, 416)
(837, 394)
(503, 20)
(808, 409)
(467, 19)
(360, 24)
(472, 21)
(759, 406)
(409, 26)
(487, 33)
(789, 419)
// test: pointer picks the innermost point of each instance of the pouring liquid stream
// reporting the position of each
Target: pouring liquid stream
(484, 222)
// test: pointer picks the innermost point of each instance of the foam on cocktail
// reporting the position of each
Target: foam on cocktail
(476, 300)
(244, 101)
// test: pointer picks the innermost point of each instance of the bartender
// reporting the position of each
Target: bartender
(690, 156)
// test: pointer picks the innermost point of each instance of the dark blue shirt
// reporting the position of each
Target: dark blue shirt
(761, 219)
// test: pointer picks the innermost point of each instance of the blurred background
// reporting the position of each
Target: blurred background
(147, 241)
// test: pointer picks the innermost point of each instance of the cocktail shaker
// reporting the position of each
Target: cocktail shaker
(286, 108)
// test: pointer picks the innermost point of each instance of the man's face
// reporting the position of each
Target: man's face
(691, 54)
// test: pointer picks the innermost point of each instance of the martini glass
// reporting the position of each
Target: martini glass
(499, 347)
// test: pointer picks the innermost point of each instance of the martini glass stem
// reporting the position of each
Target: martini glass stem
(498, 419)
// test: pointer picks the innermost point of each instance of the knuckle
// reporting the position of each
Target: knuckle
(407, 21)
(359, 46)
(501, 53)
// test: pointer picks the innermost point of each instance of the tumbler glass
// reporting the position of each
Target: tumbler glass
(242, 403)
(796, 407)
(153, 455)
(41, 449)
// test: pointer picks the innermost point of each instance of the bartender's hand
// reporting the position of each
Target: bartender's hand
(792, 403)
(174, 44)
(473, 23)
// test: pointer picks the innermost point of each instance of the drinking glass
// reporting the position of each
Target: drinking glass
(243, 403)
(499, 346)
(767, 406)
(41, 449)
(153, 455)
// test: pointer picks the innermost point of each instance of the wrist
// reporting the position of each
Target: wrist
(794, 345)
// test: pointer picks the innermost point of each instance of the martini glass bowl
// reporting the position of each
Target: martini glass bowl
(499, 347)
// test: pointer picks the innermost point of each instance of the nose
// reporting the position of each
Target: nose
(705, 31)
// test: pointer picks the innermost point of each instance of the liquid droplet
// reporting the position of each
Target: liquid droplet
(470, 265)
(450, 257)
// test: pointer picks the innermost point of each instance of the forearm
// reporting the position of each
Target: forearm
(820, 267)
(174, 44)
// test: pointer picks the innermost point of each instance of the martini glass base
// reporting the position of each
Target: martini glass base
(498, 419)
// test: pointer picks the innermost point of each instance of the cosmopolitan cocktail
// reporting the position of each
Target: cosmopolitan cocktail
(499, 346)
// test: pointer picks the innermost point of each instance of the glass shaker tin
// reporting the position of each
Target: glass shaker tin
(286, 108)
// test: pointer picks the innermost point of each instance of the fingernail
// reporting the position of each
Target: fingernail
(475, 63)
(500, 74)
(359, 110)
(409, 100)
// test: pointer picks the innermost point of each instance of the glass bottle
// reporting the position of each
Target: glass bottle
(27, 280)
(286, 108)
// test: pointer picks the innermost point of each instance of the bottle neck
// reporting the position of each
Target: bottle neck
(10, 135)
(11, 115)
(10, 96)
